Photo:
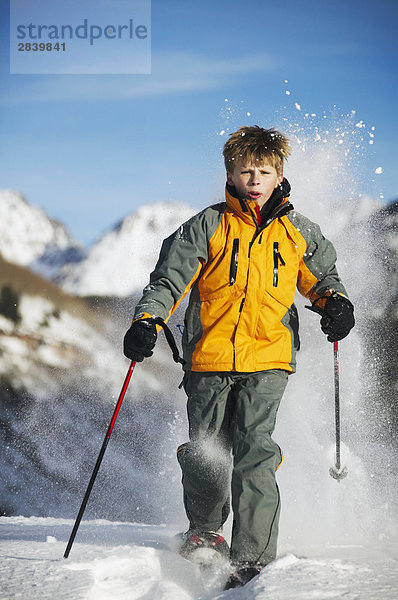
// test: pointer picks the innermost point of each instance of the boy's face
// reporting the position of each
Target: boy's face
(254, 181)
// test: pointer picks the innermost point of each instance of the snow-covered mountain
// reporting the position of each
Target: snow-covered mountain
(43, 329)
(61, 369)
(29, 237)
(119, 263)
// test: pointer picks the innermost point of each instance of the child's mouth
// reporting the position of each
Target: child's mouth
(254, 195)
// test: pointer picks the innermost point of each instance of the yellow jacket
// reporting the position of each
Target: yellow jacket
(242, 277)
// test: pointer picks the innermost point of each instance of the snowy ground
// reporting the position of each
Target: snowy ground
(120, 561)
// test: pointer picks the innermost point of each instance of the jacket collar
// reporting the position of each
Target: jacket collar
(246, 209)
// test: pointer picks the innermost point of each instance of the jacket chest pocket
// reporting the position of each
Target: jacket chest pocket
(280, 271)
(223, 275)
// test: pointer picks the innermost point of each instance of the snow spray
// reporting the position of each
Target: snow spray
(326, 171)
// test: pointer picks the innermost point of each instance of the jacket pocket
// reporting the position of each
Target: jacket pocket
(233, 270)
(281, 272)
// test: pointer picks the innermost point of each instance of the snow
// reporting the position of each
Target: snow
(34, 310)
(6, 326)
(127, 561)
(55, 338)
(29, 237)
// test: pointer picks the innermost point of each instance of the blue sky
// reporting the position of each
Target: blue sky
(89, 149)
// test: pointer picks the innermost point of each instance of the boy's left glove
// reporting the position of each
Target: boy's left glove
(337, 317)
(140, 340)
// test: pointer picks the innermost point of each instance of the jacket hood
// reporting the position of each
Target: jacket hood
(246, 209)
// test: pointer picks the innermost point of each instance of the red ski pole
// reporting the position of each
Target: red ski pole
(99, 459)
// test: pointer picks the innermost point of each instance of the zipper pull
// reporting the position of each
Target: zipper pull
(234, 261)
(277, 259)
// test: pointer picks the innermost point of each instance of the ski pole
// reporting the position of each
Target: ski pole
(99, 459)
(337, 472)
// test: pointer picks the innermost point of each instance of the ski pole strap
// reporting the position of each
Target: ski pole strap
(169, 337)
(319, 309)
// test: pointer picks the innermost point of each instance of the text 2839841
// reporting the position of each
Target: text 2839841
(41, 47)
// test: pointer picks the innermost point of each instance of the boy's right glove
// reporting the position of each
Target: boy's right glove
(337, 317)
(140, 340)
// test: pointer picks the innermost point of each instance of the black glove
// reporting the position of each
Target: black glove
(337, 317)
(140, 340)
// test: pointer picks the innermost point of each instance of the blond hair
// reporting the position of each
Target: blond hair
(255, 144)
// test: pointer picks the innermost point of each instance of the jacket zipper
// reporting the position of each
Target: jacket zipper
(280, 211)
(256, 223)
(277, 256)
(277, 259)
(234, 262)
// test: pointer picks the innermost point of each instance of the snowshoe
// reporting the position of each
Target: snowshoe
(241, 577)
(202, 547)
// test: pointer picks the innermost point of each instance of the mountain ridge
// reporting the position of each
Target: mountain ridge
(116, 264)
(29, 237)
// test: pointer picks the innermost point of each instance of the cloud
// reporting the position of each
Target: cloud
(172, 72)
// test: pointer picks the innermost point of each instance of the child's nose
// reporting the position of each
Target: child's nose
(255, 178)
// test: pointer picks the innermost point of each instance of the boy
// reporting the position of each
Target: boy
(241, 260)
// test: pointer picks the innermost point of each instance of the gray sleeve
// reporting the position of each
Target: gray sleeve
(179, 265)
(318, 272)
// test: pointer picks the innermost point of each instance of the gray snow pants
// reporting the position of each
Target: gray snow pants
(234, 412)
